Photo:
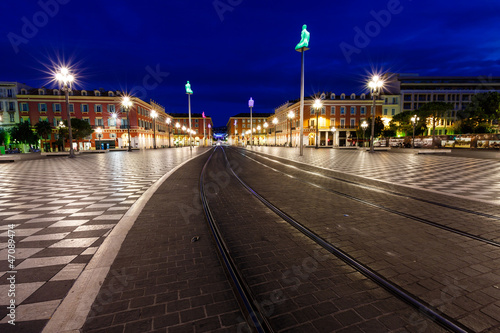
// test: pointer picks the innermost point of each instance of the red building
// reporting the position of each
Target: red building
(201, 127)
(103, 111)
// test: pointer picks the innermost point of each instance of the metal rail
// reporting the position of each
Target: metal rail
(399, 292)
(243, 291)
(390, 210)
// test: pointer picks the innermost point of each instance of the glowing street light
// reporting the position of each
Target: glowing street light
(127, 104)
(275, 122)
(265, 129)
(168, 121)
(375, 86)
(210, 133)
(154, 114)
(333, 133)
(250, 105)
(65, 80)
(99, 132)
(364, 125)
(317, 106)
(291, 115)
(414, 121)
(189, 92)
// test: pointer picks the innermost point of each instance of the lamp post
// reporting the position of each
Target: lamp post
(302, 47)
(291, 115)
(317, 106)
(333, 133)
(127, 104)
(184, 136)
(258, 135)
(250, 105)
(168, 121)
(364, 125)
(210, 133)
(189, 92)
(265, 129)
(275, 122)
(99, 132)
(154, 114)
(204, 136)
(414, 121)
(116, 125)
(66, 79)
(177, 126)
(375, 86)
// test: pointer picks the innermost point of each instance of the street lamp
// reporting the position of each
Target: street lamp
(177, 125)
(168, 121)
(317, 105)
(210, 133)
(154, 114)
(375, 86)
(333, 133)
(250, 105)
(99, 132)
(66, 79)
(114, 117)
(364, 125)
(291, 115)
(275, 122)
(189, 92)
(127, 104)
(414, 120)
(258, 135)
(303, 46)
(265, 129)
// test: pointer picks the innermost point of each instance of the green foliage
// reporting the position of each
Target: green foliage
(23, 133)
(43, 129)
(80, 128)
(484, 107)
(4, 137)
(379, 127)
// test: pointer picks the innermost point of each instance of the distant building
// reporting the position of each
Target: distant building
(239, 125)
(201, 126)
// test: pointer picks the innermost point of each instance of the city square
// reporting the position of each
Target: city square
(249, 166)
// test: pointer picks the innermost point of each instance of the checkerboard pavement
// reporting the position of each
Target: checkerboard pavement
(62, 210)
(471, 178)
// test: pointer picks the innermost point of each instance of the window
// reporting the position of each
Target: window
(110, 93)
(41, 92)
(56, 92)
(353, 96)
(24, 107)
(71, 108)
(332, 122)
(407, 98)
(363, 96)
(87, 120)
(363, 110)
(393, 112)
(353, 123)
(42, 107)
(332, 111)
(56, 107)
(56, 121)
(9, 92)
(353, 110)
(11, 106)
(11, 117)
(323, 110)
(394, 100)
(24, 92)
(99, 122)
(196, 120)
(332, 96)
(322, 97)
(84, 93)
(97, 93)
(195, 125)
(312, 110)
(385, 112)
(342, 123)
(243, 126)
(342, 96)
(111, 108)
(1, 106)
(98, 108)
(111, 122)
(342, 110)
(85, 108)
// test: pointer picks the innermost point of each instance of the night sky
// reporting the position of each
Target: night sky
(244, 48)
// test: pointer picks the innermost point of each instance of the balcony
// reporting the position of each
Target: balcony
(123, 126)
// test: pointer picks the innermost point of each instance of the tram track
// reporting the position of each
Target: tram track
(381, 207)
(244, 292)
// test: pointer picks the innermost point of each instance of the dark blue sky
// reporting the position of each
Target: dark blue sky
(246, 48)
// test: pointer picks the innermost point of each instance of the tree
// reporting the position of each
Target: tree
(23, 133)
(405, 125)
(80, 129)
(435, 111)
(480, 113)
(379, 126)
(4, 137)
(43, 129)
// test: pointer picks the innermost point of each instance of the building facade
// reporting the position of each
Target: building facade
(201, 125)
(238, 128)
(103, 111)
(336, 122)
(9, 110)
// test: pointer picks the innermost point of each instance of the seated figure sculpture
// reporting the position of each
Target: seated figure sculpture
(188, 88)
(305, 36)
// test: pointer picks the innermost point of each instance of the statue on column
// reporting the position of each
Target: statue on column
(305, 36)
(188, 88)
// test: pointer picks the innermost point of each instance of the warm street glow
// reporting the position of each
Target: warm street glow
(317, 104)
(275, 121)
(291, 114)
(154, 114)
(64, 77)
(126, 102)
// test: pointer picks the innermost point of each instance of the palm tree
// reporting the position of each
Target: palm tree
(43, 129)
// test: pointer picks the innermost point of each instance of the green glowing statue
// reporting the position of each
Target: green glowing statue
(188, 88)
(305, 36)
